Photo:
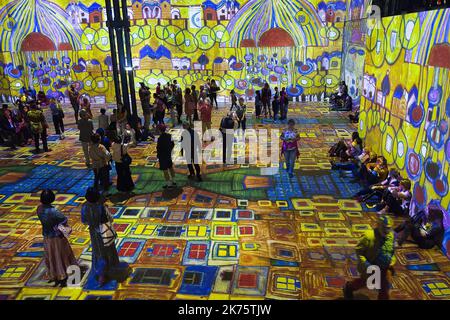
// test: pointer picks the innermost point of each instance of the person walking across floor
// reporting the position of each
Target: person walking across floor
(289, 149)
(105, 260)
(266, 96)
(241, 109)
(189, 105)
(100, 158)
(213, 89)
(195, 94)
(86, 105)
(192, 151)
(284, 104)
(122, 161)
(376, 248)
(177, 100)
(164, 149)
(58, 254)
(276, 103)
(74, 97)
(86, 128)
(144, 95)
(205, 108)
(227, 130)
(39, 127)
(103, 120)
(57, 116)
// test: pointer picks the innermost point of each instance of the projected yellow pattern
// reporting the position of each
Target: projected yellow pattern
(406, 100)
(190, 41)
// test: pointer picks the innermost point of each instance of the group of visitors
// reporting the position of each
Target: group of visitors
(385, 190)
(341, 101)
(26, 122)
(270, 104)
(103, 148)
(171, 99)
(58, 254)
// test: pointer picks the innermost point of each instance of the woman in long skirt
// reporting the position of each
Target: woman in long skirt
(105, 260)
(164, 149)
(58, 255)
(119, 149)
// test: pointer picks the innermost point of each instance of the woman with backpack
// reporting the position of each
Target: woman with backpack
(105, 260)
(58, 254)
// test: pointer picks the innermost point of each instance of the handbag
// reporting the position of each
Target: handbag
(65, 230)
(107, 231)
(125, 157)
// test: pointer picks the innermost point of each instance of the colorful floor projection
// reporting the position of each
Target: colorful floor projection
(238, 234)
(246, 231)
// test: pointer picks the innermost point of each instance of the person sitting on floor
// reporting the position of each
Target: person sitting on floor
(355, 164)
(373, 173)
(426, 231)
(339, 148)
(396, 200)
(392, 180)
(353, 150)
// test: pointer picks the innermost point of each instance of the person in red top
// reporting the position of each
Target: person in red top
(205, 108)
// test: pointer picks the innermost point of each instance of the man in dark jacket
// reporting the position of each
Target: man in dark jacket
(86, 130)
(164, 149)
(226, 127)
(192, 151)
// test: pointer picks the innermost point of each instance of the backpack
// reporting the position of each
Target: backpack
(240, 112)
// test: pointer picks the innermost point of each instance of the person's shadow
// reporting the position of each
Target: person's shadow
(120, 197)
(172, 193)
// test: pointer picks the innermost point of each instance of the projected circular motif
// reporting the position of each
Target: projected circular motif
(419, 196)
(435, 95)
(414, 164)
(432, 170)
(435, 139)
(416, 115)
(294, 91)
(441, 186)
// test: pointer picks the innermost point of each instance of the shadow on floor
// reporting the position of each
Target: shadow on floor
(172, 193)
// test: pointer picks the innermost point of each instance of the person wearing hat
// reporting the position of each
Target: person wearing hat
(86, 128)
(164, 149)
(376, 247)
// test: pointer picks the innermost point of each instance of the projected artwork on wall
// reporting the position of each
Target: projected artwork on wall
(240, 43)
(406, 101)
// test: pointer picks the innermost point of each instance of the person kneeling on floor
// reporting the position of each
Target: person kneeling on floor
(376, 248)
